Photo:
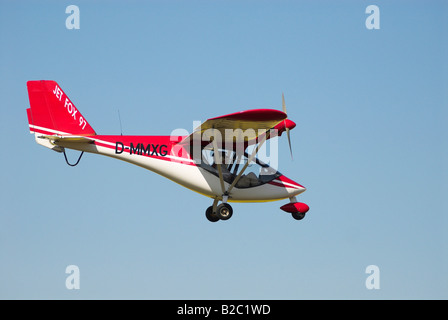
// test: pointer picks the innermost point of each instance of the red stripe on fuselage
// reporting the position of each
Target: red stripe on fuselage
(287, 180)
(277, 184)
(158, 147)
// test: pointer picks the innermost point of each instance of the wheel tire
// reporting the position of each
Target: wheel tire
(224, 211)
(298, 215)
(212, 217)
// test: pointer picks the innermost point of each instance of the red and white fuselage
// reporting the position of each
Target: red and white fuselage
(160, 155)
(58, 124)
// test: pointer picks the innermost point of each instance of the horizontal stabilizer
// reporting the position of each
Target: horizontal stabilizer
(77, 139)
(57, 143)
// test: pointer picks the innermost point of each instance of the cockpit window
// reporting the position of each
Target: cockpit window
(256, 173)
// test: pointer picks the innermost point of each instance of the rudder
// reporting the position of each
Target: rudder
(53, 113)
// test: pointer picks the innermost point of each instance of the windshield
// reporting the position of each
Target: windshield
(256, 173)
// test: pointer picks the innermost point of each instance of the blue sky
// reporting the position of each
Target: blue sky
(370, 146)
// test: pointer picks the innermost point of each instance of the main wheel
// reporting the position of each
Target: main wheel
(298, 215)
(211, 216)
(224, 211)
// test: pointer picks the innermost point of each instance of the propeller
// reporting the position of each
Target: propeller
(284, 122)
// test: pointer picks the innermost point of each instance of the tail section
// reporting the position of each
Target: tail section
(53, 114)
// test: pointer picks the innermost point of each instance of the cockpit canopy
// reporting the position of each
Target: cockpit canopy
(256, 173)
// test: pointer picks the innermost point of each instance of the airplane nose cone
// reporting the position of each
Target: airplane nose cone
(301, 189)
(290, 184)
(284, 125)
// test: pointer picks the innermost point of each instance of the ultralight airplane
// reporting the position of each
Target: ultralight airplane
(217, 160)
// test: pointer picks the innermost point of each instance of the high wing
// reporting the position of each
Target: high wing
(250, 123)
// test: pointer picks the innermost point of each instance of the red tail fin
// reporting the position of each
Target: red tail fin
(52, 112)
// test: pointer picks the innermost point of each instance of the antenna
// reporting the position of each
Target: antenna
(119, 118)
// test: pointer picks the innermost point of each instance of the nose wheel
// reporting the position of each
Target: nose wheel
(223, 212)
(298, 215)
(296, 209)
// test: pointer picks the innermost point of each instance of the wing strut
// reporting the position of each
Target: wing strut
(218, 161)
(218, 164)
